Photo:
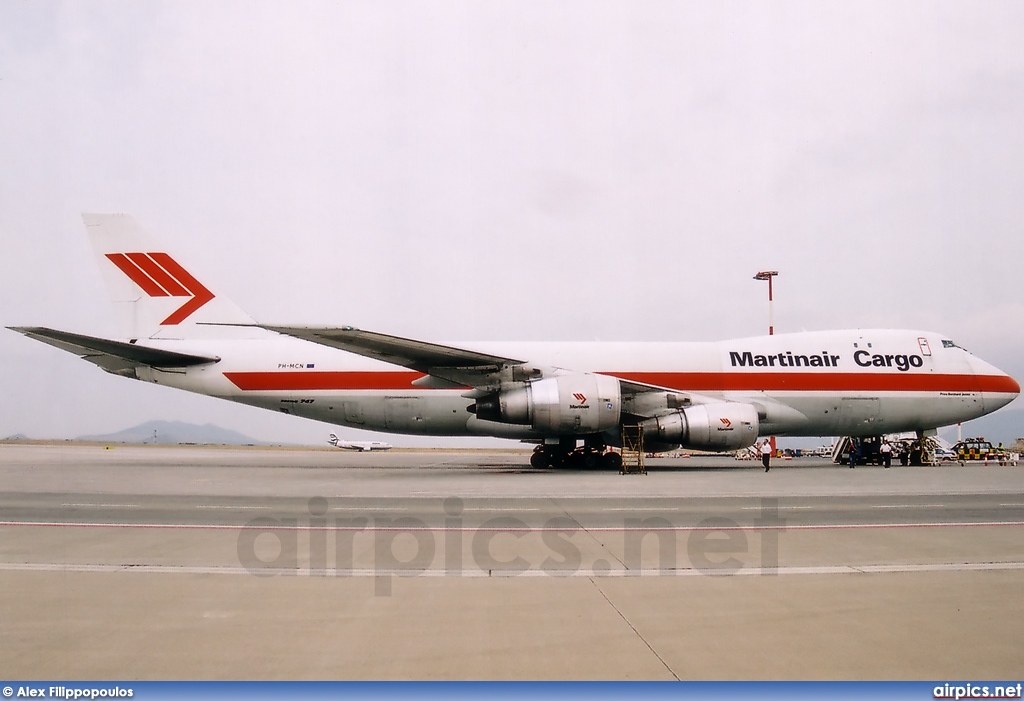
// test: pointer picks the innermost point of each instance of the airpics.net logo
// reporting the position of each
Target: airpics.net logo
(331, 541)
(159, 275)
(978, 691)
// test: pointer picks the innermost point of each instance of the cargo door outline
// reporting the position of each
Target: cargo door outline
(403, 413)
(856, 413)
(353, 412)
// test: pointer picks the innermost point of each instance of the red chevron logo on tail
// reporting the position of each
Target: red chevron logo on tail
(159, 275)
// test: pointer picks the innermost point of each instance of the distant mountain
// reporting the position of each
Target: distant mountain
(1004, 427)
(17, 437)
(174, 432)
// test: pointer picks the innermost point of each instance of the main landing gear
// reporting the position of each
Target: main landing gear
(582, 458)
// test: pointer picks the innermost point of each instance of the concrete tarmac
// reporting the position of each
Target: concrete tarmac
(212, 563)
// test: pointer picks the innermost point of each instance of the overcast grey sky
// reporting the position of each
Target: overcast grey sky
(509, 170)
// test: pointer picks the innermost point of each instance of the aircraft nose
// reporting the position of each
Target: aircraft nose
(997, 388)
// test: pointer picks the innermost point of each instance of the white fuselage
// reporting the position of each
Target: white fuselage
(863, 382)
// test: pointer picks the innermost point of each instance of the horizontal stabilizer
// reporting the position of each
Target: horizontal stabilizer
(113, 356)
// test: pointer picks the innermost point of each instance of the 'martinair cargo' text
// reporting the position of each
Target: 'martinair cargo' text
(788, 359)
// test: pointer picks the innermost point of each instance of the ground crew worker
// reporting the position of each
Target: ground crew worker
(886, 451)
(766, 455)
(853, 453)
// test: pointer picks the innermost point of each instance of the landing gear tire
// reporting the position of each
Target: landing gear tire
(611, 461)
(585, 458)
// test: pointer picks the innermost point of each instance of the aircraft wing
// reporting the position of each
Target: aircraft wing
(113, 356)
(455, 365)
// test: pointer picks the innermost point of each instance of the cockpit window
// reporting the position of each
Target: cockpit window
(950, 344)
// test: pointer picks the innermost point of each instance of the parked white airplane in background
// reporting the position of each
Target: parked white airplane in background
(572, 399)
(362, 446)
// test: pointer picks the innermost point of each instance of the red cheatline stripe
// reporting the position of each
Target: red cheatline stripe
(138, 276)
(819, 382)
(313, 380)
(682, 381)
(202, 295)
(159, 275)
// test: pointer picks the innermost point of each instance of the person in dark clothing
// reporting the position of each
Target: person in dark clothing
(853, 453)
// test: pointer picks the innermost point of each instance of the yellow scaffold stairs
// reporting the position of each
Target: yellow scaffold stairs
(633, 451)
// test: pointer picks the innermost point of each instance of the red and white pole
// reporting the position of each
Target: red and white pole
(768, 275)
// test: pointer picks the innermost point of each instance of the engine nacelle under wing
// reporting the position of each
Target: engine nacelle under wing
(720, 426)
(571, 404)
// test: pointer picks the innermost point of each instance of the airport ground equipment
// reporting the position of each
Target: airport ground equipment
(981, 450)
(633, 451)
(906, 451)
(973, 449)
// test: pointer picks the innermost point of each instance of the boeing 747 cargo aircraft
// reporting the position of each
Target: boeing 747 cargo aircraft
(571, 399)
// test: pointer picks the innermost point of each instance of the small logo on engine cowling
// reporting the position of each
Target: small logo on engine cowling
(726, 423)
(581, 399)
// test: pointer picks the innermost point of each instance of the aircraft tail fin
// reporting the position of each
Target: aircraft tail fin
(333, 440)
(154, 295)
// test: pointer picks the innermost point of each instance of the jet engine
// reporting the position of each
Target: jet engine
(571, 404)
(720, 426)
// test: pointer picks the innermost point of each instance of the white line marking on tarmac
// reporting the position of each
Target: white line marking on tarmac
(653, 572)
(908, 506)
(485, 509)
(780, 508)
(211, 506)
(106, 506)
(641, 508)
(369, 509)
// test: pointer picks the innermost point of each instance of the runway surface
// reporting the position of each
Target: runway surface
(186, 562)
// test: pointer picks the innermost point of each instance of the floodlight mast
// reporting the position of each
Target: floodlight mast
(768, 275)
